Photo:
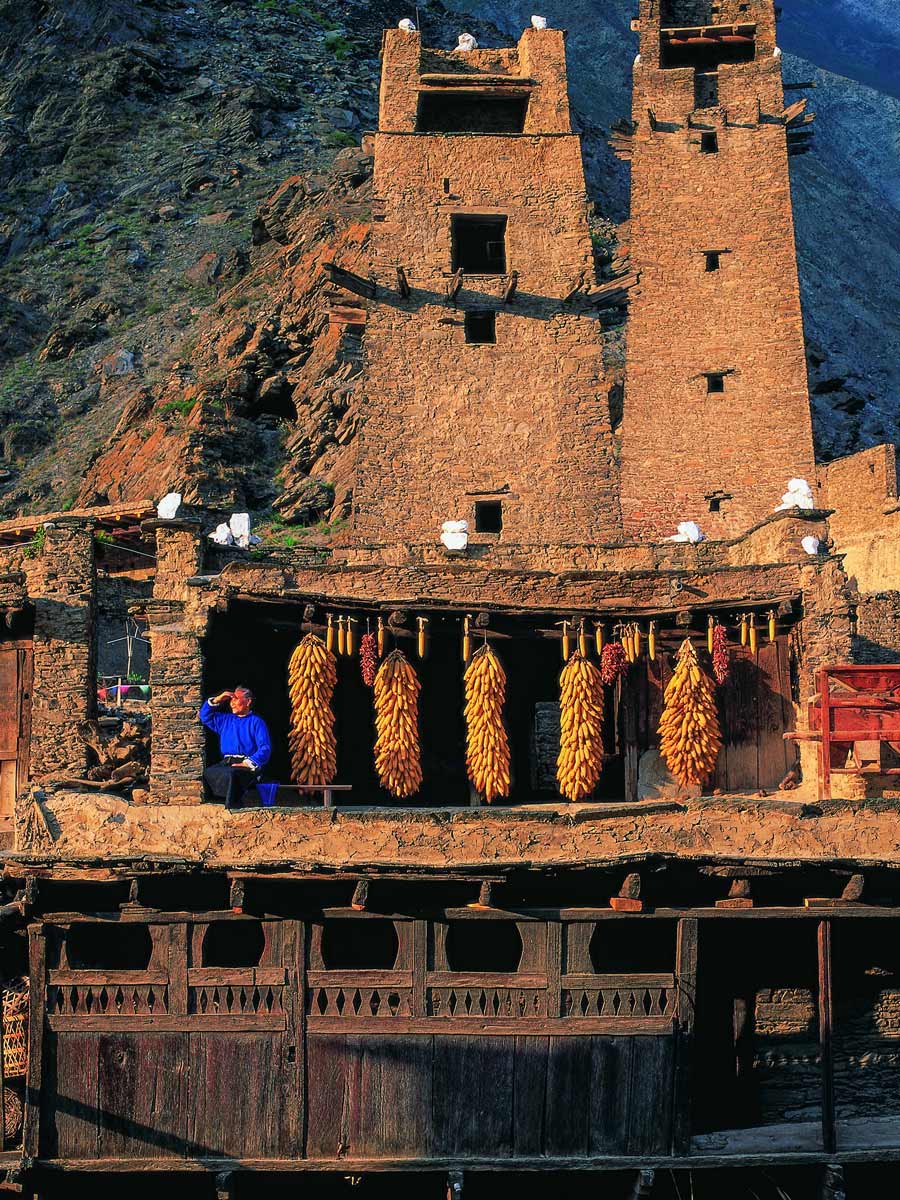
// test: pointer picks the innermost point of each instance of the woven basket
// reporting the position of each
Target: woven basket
(12, 1113)
(15, 1028)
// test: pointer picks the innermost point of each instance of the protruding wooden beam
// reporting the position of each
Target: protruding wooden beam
(577, 288)
(225, 1187)
(349, 280)
(739, 895)
(455, 1182)
(643, 1185)
(628, 899)
(360, 896)
(402, 283)
(454, 284)
(511, 283)
(829, 1139)
(794, 110)
(485, 895)
(833, 1187)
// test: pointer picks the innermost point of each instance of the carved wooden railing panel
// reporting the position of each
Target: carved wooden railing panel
(625, 998)
(358, 995)
(455, 996)
(237, 992)
(107, 994)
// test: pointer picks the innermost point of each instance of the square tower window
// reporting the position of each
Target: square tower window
(488, 516)
(709, 143)
(481, 327)
(712, 260)
(478, 244)
(470, 113)
(715, 382)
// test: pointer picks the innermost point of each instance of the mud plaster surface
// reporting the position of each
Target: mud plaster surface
(75, 826)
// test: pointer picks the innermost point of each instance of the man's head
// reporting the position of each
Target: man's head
(241, 701)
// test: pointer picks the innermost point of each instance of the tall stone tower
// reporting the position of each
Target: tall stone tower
(717, 413)
(485, 397)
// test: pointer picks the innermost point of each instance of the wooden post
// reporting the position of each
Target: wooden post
(178, 970)
(419, 968)
(829, 1140)
(2, 1077)
(686, 983)
(825, 743)
(37, 971)
(554, 969)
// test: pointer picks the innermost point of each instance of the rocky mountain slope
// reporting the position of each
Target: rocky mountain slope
(163, 320)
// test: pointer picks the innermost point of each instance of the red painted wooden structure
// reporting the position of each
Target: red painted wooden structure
(854, 703)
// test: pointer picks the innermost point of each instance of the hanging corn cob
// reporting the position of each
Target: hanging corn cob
(487, 746)
(422, 636)
(397, 755)
(368, 659)
(382, 636)
(350, 646)
(467, 639)
(720, 657)
(598, 638)
(710, 630)
(772, 626)
(580, 758)
(342, 636)
(636, 641)
(582, 639)
(689, 728)
(312, 674)
(329, 633)
(745, 628)
(566, 642)
(651, 641)
(754, 638)
(613, 662)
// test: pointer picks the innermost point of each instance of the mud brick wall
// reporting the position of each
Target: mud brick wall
(680, 443)
(61, 583)
(177, 618)
(877, 637)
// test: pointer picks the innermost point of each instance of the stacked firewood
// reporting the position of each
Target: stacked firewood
(121, 747)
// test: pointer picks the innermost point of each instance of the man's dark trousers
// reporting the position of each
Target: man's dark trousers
(229, 783)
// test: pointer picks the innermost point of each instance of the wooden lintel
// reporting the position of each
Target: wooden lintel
(349, 280)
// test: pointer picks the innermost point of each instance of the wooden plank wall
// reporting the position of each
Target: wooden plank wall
(755, 710)
(490, 1096)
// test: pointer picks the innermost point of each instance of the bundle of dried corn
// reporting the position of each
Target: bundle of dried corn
(487, 746)
(397, 753)
(580, 758)
(312, 674)
(689, 728)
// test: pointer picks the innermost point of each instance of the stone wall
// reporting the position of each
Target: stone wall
(61, 584)
(682, 442)
(523, 420)
(861, 491)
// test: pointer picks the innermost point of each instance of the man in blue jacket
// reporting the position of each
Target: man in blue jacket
(243, 740)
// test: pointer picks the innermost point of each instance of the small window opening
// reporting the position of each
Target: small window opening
(233, 944)
(633, 947)
(483, 945)
(106, 947)
(715, 382)
(446, 186)
(712, 260)
(716, 500)
(479, 244)
(481, 328)
(359, 944)
(709, 143)
(488, 516)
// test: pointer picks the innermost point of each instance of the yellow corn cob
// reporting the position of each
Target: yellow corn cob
(580, 759)
(312, 674)
(689, 736)
(710, 630)
(754, 640)
(651, 641)
(350, 646)
(598, 639)
(772, 628)
(744, 630)
(380, 631)
(422, 639)
(467, 640)
(397, 754)
(329, 633)
(342, 636)
(582, 640)
(487, 746)
(566, 643)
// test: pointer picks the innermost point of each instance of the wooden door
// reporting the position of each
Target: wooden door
(15, 722)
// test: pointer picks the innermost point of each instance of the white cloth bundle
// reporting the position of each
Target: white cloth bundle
(221, 535)
(466, 43)
(538, 22)
(455, 535)
(407, 25)
(168, 506)
(688, 531)
(798, 495)
(810, 544)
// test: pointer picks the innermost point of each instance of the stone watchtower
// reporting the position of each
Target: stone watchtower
(717, 413)
(485, 397)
